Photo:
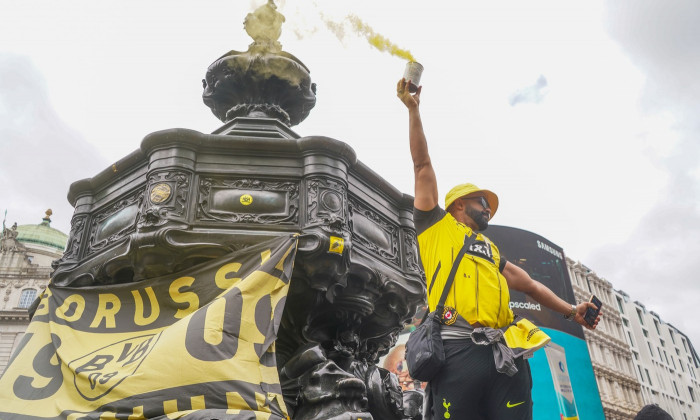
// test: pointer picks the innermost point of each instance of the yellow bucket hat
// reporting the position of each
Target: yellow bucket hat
(463, 190)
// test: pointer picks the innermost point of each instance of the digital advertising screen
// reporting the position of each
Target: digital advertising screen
(564, 386)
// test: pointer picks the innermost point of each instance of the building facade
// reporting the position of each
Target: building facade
(665, 360)
(620, 390)
(26, 254)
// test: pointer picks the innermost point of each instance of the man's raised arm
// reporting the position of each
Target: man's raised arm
(426, 195)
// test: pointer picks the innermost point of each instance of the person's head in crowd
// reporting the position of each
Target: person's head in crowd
(652, 412)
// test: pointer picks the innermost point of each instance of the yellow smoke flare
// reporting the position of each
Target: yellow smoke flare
(379, 41)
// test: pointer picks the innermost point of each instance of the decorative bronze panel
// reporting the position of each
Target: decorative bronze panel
(248, 201)
(327, 204)
(411, 251)
(77, 230)
(168, 192)
(374, 231)
(115, 221)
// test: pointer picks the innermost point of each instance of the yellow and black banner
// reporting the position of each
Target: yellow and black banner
(196, 345)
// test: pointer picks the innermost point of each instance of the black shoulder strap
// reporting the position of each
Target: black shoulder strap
(468, 241)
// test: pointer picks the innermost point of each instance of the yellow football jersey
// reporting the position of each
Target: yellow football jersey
(479, 292)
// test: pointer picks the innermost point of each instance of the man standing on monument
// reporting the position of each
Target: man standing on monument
(469, 386)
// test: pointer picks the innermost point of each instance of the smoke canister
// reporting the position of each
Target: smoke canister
(412, 74)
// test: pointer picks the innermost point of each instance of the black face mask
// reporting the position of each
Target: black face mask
(481, 219)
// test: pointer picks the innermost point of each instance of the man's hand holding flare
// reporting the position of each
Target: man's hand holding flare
(411, 101)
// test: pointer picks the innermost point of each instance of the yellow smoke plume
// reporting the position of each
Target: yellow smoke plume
(378, 41)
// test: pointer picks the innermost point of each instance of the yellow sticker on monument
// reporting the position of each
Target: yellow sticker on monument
(246, 199)
(337, 245)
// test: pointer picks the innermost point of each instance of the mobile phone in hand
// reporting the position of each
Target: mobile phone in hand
(591, 314)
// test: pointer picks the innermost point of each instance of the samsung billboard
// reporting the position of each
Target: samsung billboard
(564, 386)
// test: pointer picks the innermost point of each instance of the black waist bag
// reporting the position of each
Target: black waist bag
(425, 354)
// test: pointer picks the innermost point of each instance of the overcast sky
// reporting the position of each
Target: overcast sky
(582, 116)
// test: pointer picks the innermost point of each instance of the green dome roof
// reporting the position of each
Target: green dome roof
(42, 234)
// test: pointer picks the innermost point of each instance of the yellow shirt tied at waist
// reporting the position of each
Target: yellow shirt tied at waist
(479, 292)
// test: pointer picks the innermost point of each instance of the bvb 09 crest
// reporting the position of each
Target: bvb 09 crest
(99, 372)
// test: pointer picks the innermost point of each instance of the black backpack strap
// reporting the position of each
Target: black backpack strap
(432, 281)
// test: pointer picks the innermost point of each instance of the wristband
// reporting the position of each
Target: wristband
(570, 315)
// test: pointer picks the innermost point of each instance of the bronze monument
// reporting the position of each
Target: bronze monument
(185, 197)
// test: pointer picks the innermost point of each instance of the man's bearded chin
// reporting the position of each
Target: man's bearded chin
(480, 218)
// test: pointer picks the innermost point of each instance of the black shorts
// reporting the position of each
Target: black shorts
(469, 387)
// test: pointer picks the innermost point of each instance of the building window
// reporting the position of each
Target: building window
(26, 298)
(626, 322)
(673, 339)
(663, 343)
(692, 393)
(629, 336)
(656, 324)
(648, 376)
(645, 332)
(639, 315)
(619, 305)
(685, 346)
